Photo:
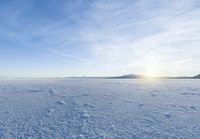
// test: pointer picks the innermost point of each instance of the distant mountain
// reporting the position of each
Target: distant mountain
(131, 76)
(128, 76)
(197, 76)
(135, 76)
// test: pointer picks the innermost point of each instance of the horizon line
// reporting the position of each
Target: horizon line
(116, 76)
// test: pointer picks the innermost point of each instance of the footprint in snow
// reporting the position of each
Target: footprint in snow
(85, 95)
(89, 105)
(153, 95)
(190, 94)
(127, 101)
(140, 105)
(167, 115)
(61, 102)
(50, 111)
(84, 115)
(193, 107)
(34, 90)
(149, 120)
(52, 92)
(173, 105)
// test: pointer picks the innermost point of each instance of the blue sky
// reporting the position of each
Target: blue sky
(56, 38)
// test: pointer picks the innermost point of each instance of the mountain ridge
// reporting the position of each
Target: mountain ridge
(137, 76)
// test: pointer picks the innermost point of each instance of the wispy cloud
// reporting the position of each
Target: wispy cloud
(127, 35)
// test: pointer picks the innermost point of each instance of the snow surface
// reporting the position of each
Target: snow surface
(99, 108)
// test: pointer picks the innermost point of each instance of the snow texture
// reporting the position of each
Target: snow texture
(99, 109)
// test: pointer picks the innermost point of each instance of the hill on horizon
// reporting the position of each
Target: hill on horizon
(197, 76)
(135, 76)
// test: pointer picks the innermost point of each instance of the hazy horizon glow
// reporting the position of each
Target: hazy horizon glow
(51, 38)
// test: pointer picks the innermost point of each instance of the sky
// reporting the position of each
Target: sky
(60, 38)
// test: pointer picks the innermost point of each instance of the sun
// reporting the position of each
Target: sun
(152, 66)
(152, 71)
